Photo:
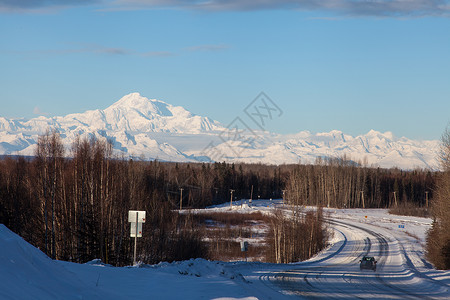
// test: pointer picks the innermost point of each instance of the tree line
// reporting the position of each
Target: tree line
(73, 204)
(76, 208)
(343, 184)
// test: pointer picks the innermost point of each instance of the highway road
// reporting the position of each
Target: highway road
(402, 272)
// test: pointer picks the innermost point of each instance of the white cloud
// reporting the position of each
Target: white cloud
(23, 6)
(377, 8)
(37, 111)
(207, 48)
(380, 8)
(157, 53)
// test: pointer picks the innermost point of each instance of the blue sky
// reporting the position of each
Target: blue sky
(346, 65)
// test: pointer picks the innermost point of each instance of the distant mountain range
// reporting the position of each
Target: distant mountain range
(152, 129)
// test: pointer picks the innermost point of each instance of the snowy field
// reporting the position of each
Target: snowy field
(402, 271)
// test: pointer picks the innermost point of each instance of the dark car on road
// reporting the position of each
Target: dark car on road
(368, 262)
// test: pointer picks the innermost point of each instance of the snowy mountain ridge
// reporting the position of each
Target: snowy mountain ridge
(153, 129)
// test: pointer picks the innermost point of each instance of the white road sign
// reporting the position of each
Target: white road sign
(133, 229)
(140, 216)
(136, 218)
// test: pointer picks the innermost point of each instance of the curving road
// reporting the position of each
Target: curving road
(401, 271)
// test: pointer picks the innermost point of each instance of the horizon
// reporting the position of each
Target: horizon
(351, 67)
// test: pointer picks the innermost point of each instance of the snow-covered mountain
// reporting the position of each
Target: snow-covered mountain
(153, 129)
(371, 149)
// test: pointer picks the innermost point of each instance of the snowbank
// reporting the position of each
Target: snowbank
(27, 273)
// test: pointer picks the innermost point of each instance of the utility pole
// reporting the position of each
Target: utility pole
(231, 199)
(181, 198)
(395, 198)
(426, 198)
(362, 198)
(217, 190)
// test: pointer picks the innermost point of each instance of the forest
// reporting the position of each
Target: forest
(73, 204)
(343, 184)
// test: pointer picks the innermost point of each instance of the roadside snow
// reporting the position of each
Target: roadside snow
(26, 273)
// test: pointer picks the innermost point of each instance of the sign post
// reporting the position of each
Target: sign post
(136, 218)
(244, 248)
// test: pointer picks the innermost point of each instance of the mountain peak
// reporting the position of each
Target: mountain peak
(131, 100)
(373, 133)
(136, 102)
(139, 125)
(137, 113)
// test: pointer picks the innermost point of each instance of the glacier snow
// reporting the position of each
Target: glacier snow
(152, 129)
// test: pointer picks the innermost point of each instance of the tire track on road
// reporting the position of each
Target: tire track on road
(290, 281)
(384, 253)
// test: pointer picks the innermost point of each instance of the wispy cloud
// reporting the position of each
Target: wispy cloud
(37, 111)
(207, 48)
(356, 8)
(112, 51)
(377, 8)
(21, 6)
(157, 53)
(93, 49)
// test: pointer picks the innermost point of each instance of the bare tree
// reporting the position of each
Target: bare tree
(49, 155)
(438, 240)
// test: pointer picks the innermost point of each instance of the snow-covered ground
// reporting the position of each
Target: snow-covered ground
(26, 273)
